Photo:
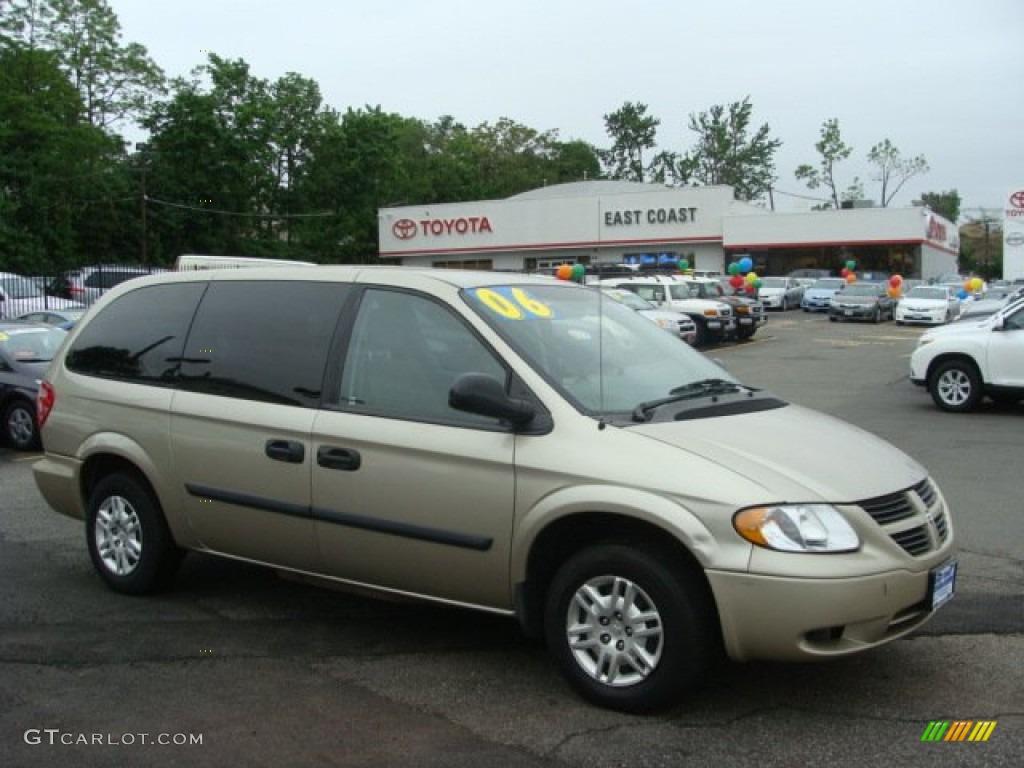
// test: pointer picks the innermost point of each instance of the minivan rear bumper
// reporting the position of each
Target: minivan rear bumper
(768, 617)
(57, 479)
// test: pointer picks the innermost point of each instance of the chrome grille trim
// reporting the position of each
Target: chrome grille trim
(920, 501)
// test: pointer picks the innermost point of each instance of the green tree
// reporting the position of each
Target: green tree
(60, 178)
(116, 81)
(946, 204)
(832, 150)
(893, 170)
(632, 132)
(727, 153)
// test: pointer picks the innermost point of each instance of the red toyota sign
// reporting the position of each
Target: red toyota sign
(404, 229)
(1017, 199)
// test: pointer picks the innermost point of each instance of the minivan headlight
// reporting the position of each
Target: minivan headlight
(797, 528)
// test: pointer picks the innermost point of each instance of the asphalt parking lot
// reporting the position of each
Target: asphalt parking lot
(267, 671)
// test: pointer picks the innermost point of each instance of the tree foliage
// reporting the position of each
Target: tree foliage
(633, 132)
(726, 152)
(946, 204)
(832, 150)
(892, 169)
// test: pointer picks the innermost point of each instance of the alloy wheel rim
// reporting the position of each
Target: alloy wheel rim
(954, 387)
(614, 631)
(19, 425)
(118, 536)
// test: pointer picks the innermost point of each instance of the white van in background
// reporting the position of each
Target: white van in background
(190, 261)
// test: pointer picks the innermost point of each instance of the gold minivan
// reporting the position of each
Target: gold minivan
(515, 444)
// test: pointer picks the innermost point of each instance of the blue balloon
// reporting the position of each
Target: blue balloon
(961, 294)
(746, 264)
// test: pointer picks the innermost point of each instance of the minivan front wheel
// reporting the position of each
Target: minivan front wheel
(631, 631)
(129, 542)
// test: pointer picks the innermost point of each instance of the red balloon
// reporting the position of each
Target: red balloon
(735, 281)
(750, 288)
(895, 281)
(844, 271)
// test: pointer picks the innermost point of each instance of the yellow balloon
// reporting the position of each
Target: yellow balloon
(751, 277)
(976, 283)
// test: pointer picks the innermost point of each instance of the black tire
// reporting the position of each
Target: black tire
(20, 429)
(678, 623)
(129, 542)
(746, 333)
(832, 318)
(877, 317)
(956, 386)
(703, 336)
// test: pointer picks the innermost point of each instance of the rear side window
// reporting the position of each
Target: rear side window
(138, 337)
(265, 341)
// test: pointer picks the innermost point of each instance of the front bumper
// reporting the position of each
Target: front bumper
(930, 317)
(864, 312)
(793, 619)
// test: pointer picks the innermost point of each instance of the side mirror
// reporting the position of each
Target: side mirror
(484, 395)
(999, 324)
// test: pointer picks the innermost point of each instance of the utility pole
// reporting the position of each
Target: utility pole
(141, 148)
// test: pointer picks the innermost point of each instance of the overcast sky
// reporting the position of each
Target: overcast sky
(936, 77)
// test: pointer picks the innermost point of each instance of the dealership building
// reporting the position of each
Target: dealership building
(616, 222)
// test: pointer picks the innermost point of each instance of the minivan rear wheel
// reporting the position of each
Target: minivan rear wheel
(631, 631)
(129, 542)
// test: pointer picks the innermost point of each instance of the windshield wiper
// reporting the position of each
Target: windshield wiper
(695, 389)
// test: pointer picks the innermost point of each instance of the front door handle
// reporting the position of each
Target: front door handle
(289, 451)
(338, 458)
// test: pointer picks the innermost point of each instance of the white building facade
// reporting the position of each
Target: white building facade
(611, 222)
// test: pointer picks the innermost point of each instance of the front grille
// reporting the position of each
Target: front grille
(896, 513)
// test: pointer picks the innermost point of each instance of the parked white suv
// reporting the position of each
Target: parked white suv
(715, 320)
(962, 363)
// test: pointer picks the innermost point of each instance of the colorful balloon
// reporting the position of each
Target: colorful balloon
(746, 264)
(851, 265)
(851, 277)
(751, 277)
(683, 265)
(895, 281)
(977, 284)
(750, 288)
(844, 272)
(733, 268)
(736, 281)
(961, 294)
(564, 272)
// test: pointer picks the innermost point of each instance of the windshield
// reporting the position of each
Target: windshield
(31, 345)
(629, 298)
(939, 294)
(604, 357)
(828, 285)
(20, 288)
(773, 282)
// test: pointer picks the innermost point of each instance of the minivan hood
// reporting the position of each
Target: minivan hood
(795, 454)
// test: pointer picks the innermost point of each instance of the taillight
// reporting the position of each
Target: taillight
(74, 289)
(45, 399)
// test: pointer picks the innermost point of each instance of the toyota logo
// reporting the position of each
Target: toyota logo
(1015, 239)
(404, 229)
(1017, 199)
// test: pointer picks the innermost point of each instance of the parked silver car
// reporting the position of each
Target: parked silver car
(780, 293)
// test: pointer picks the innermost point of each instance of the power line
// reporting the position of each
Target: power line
(220, 212)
